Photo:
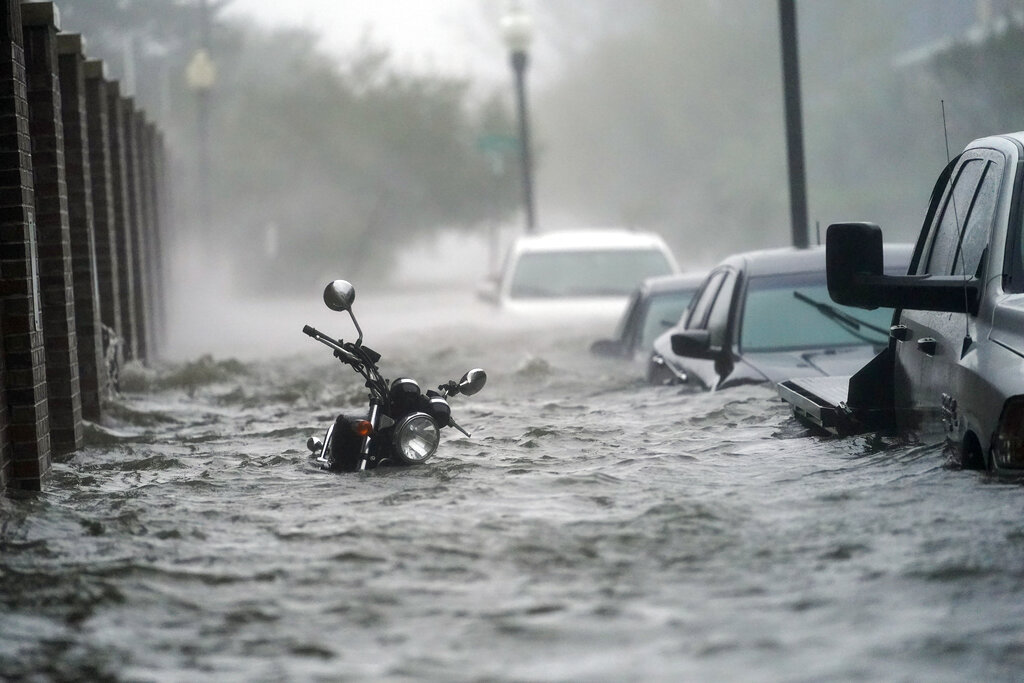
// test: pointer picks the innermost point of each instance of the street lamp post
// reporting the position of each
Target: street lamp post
(517, 29)
(201, 75)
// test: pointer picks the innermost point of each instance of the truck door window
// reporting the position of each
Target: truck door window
(699, 310)
(958, 202)
(979, 222)
(718, 318)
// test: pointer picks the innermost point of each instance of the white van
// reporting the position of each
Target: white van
(579, 273)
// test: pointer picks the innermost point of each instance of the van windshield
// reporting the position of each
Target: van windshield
(780, 315)
(598, 272)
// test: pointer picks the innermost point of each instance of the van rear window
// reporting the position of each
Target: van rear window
(548, 274)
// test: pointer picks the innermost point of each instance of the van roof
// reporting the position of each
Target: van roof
(673, 283)
(589, 239)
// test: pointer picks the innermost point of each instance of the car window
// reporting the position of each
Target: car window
(604, 272)
(702, 303)
(780, 314)
(630, 320)
(718, 318)
(979, 222)
(663, 312)
(954, 213)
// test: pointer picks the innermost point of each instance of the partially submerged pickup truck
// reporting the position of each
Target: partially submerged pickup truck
(954, 365)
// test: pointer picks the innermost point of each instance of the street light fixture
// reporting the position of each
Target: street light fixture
(201, 75)
(517, 30)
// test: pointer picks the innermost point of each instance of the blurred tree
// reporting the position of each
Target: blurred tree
(145, 44)
(350, 163)
(319, 166)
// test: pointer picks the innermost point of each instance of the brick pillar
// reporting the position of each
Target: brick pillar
(108, 270)
(40, 26)
(138, 224)
(119, 183)
(92, 372)
(6, 461)
(154, 273)
(161, 240)
(20, 311)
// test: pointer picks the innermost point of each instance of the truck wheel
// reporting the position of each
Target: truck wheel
(971, 457)
(989, 462)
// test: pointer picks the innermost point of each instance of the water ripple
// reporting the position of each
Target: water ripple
(593, 528)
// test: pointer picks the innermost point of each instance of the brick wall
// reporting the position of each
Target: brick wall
(101, 175)
(91, 370)
(137, 220)
(154, 272)
(122, 217)
(60, 340)
(26, 459)
(81, 216)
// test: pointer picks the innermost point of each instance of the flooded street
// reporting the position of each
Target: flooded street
(593, 528)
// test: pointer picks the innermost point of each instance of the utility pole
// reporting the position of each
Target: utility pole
(794, 123)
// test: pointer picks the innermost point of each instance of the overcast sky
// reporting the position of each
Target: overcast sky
(454, 36)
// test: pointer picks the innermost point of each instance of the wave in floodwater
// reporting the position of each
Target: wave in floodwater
(592, 528)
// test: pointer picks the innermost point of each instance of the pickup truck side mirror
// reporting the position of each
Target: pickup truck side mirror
(694, 344)
(853, 258)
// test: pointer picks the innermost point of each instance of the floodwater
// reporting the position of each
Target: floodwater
(593, 528)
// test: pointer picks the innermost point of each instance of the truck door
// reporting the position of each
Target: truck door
(704, 371)
(930, 344)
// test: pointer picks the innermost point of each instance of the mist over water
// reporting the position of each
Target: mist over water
(593, 527)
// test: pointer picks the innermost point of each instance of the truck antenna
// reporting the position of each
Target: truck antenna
(945, 130)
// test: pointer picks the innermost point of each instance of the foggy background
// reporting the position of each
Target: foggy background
(374, 165)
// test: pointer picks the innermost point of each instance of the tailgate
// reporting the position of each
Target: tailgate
(819, 402)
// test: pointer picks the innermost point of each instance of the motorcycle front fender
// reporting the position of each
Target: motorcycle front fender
(344, 447)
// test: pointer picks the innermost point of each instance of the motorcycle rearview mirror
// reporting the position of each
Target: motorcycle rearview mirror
(472, 382)
(339, 296)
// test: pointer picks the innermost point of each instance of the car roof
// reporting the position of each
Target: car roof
(673, 283)
(589, 239)
(785, 260)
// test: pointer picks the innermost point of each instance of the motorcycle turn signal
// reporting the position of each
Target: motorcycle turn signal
(362, 427)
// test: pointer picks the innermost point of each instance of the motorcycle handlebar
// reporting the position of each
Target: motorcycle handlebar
(339, 352)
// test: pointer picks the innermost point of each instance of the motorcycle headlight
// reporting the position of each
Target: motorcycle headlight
(1008, 443)
(416, 438)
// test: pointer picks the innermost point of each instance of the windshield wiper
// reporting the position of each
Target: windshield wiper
(843, 319)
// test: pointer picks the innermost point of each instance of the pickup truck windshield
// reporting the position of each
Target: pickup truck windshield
(776, 320)
(549, 274)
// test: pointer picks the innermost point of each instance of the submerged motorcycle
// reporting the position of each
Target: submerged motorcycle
(402, 425)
